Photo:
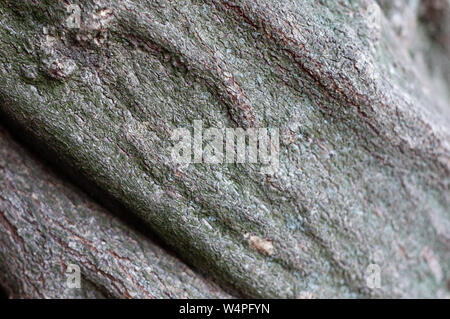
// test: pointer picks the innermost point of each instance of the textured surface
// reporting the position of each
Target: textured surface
(364, 159)
(46, 225)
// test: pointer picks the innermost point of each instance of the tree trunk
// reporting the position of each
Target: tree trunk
(358, 89)
(47, 225)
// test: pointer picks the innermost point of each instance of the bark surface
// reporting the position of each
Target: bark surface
(47, 225)
(360, 93)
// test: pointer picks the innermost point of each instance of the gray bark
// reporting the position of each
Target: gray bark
(47, 225)
(359, 89)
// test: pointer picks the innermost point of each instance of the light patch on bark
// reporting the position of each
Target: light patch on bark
(262, 245)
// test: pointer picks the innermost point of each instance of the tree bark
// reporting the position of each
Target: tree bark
(47, 225)
(358, 89)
